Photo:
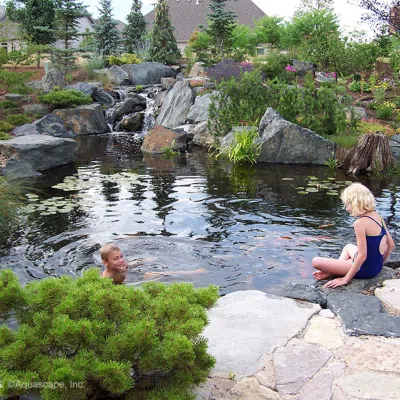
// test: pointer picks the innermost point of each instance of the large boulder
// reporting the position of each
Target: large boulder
(148, 73)
(35, 109)
(104, 98)
(167, 83)
(117, 75)
(50, 124)
(134, 103)
(160, 138)
(176, 105)
(26, 155)
(53, 125)
(199, 110)
(84, 120)
(53, 78)
(394, 143)
(197, 70)
(84, 87)
(284, 142)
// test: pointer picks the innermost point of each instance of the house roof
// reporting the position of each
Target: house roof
(187, 15)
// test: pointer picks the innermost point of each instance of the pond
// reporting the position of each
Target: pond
(241, 228)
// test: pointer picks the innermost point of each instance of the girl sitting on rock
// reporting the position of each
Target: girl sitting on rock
(374, 242)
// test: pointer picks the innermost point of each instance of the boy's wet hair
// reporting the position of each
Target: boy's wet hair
(107, 249)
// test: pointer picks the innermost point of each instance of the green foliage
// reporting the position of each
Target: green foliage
(136, 28)
(106, 34)
(139, 88)
(200, 44)
(67, 16)
(379, 94)
(355, 86)
(124, 59)
(10, 200)
(244, 147)
(5, 136)
(65, 98)
(163, 46)
(18, 119)
(220, 25)
(273, 65)
(373, 127)
(92, 64)
(14, 82)
(36, 19)
(5, 126)
(245, 101)
(142, 342)
(269, 30)
(384, 112)
(332, 164)
(343, 140)
(241, 102)
(243, 42)
(7, 104)
(169, 152)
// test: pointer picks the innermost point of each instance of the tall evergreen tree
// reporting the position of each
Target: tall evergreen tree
(36, 19)
(136, 27)
(106, 34)
(68, 13)
(221, 25)
(163, 46)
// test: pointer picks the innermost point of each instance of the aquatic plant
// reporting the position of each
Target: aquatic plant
(89, 336)
(169, 152)
(332, 164)
(244, 147)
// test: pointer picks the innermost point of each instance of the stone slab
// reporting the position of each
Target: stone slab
(323, 331)
(373, 355)
(326, 313)
(370, 385)
(319, 388)
(389, 294)
(249, 388)
(296, 364)
(245, 325)
(363, 315)
(305, 292)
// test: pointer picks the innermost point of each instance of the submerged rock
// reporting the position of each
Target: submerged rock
(24, 156)
(132, 123)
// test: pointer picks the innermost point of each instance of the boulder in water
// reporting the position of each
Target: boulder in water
(160, 138)
(132, 123)
(133, 103)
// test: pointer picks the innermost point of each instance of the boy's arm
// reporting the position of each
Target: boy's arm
(390, 244)
(135, 263)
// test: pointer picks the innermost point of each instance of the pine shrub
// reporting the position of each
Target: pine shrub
(93, 337)
(65, 98)
(18, 119)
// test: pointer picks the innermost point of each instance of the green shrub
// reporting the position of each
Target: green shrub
(65, 98)
(5, 126)
(139, 88)
(244, 147)
(6, 104)
(5, 136)
(355, 86)
(14, 82)
(273, 66)
(384, 112)
(374, 126)
(124, 59)
(93, 64)
(346, 141)
(244, 102)
(115, 340)
(18, 119)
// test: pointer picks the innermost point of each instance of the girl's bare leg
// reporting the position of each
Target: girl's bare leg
(324, 265)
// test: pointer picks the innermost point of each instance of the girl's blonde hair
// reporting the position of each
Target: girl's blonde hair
(359, 198)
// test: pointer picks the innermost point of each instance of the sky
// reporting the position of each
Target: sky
(349, 15)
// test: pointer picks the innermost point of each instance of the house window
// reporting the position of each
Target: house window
(14, 46)
(4, 45)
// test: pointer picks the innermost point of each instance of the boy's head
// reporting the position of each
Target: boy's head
(358, 199)
(112, 257)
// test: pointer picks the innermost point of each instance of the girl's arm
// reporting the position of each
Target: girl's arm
(390, 244)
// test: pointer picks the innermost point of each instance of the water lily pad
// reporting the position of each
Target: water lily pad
(300, 188)
(287, 179)
(331, 179)
(313, 183)
(332, 193)
(302, 192)
(313, 178)
(312, 190)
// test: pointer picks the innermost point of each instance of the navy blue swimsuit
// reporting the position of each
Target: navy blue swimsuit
(374, 261)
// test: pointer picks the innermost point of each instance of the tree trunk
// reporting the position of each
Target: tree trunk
(372, 153)
(38, 60)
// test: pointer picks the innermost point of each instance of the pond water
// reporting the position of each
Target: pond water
(236, 227)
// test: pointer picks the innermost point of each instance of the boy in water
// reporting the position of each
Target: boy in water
(117, 267)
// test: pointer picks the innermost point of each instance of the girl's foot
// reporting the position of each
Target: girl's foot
(320, 275)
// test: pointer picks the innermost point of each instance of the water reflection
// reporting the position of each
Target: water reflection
(246, 226)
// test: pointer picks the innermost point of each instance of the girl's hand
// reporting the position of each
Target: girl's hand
(336, 283)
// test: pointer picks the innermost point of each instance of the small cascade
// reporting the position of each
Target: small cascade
(149, 94)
